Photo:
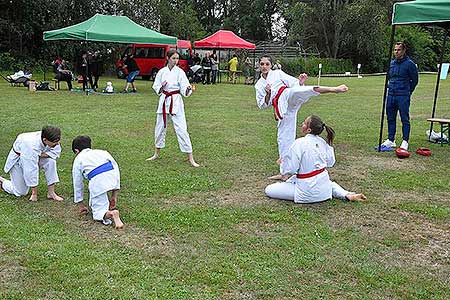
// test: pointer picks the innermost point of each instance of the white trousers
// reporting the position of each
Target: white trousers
(287, 127)
(286, 191)
(17, 186)
(180, 125)
(99, 206)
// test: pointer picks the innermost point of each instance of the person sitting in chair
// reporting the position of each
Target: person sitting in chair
(62, 74)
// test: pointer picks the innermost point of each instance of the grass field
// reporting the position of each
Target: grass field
(210, 232)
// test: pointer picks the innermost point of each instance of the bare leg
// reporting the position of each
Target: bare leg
(114, 214)
(156, 155)
(335, 89)
(34, 194)
(356, 197)
(113, 200)
(52, 195)
(192, 161)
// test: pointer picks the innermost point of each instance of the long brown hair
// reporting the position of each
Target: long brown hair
(317, 126)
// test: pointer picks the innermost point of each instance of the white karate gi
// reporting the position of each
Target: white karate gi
(306, 155)
(86, 161)
(289, 103)
(176, 80)
(24, 168)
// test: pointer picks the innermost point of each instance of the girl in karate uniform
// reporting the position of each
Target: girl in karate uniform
(170, 83)
(286, 94)
(30, 152)
(102, 171)
(308, 159)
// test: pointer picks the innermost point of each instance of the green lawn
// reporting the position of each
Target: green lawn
(210, 232)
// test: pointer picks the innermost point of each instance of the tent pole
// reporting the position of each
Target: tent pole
(436, 90)
(388, 62)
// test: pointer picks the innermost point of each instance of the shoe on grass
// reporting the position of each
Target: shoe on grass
(404, 145)
(389, 144)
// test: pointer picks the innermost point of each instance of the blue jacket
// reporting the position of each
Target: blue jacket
(403, 77)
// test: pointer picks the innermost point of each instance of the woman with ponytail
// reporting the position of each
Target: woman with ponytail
(308, 159)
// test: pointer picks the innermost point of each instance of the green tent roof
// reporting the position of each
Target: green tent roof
(104, 28)
(421, 12)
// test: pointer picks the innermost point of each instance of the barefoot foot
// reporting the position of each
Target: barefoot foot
(117, 221)
(194, 164)
(33, 198)
(152, 158)
(356, 197)
(55, 197)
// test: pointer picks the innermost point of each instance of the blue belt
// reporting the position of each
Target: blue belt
(100, 169)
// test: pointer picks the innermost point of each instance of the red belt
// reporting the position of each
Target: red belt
(310, 174)
(275, 103)
(168, 94)
(18, 153)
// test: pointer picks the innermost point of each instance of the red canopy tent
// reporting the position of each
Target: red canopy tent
(224, 39)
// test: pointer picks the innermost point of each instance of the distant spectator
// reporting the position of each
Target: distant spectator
(133, 71)
(96, 68)
(207, 65)
(247, 67)
(232, 67)
(257, 70)
(197, 59)
(277, 65)
(215, 66)
(63, 74)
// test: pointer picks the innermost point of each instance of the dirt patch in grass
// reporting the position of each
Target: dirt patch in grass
(11, 272)
(405, 239)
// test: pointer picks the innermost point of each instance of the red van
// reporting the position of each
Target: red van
(151, 58)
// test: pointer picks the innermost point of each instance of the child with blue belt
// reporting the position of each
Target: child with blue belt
(102, 171)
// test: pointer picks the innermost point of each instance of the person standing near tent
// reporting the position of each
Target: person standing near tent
(207, 65)
(403, 79)
(286, 94)
(214, 67)
(170, 83)
(248, 66)
(232, 67)
(133, 71)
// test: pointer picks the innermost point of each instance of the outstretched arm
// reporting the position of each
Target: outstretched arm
(331, 89)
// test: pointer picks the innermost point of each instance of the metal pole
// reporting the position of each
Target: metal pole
(385, 87)
(438, 77)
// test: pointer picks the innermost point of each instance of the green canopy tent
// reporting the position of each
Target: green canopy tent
(106, 28)
(419, 12)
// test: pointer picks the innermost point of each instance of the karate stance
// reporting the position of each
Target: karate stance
(308, 158)
(30, 152)
(170, 83)
(286, 94)
(102, 171)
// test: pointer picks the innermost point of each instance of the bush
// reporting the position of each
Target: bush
(310, 66)
(13, 64)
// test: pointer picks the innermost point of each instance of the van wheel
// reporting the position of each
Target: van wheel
(146, 77)
(154, 72)
(120, 73)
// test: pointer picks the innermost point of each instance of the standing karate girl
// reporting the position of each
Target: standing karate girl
(308, 158)
(170, 83)
(286, 94)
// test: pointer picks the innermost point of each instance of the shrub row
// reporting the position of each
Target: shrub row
(295, 66)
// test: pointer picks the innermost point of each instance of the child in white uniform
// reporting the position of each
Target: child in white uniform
(102, 171)
(30, 152)
(286, 94)
(308, 158)
(170, 83)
